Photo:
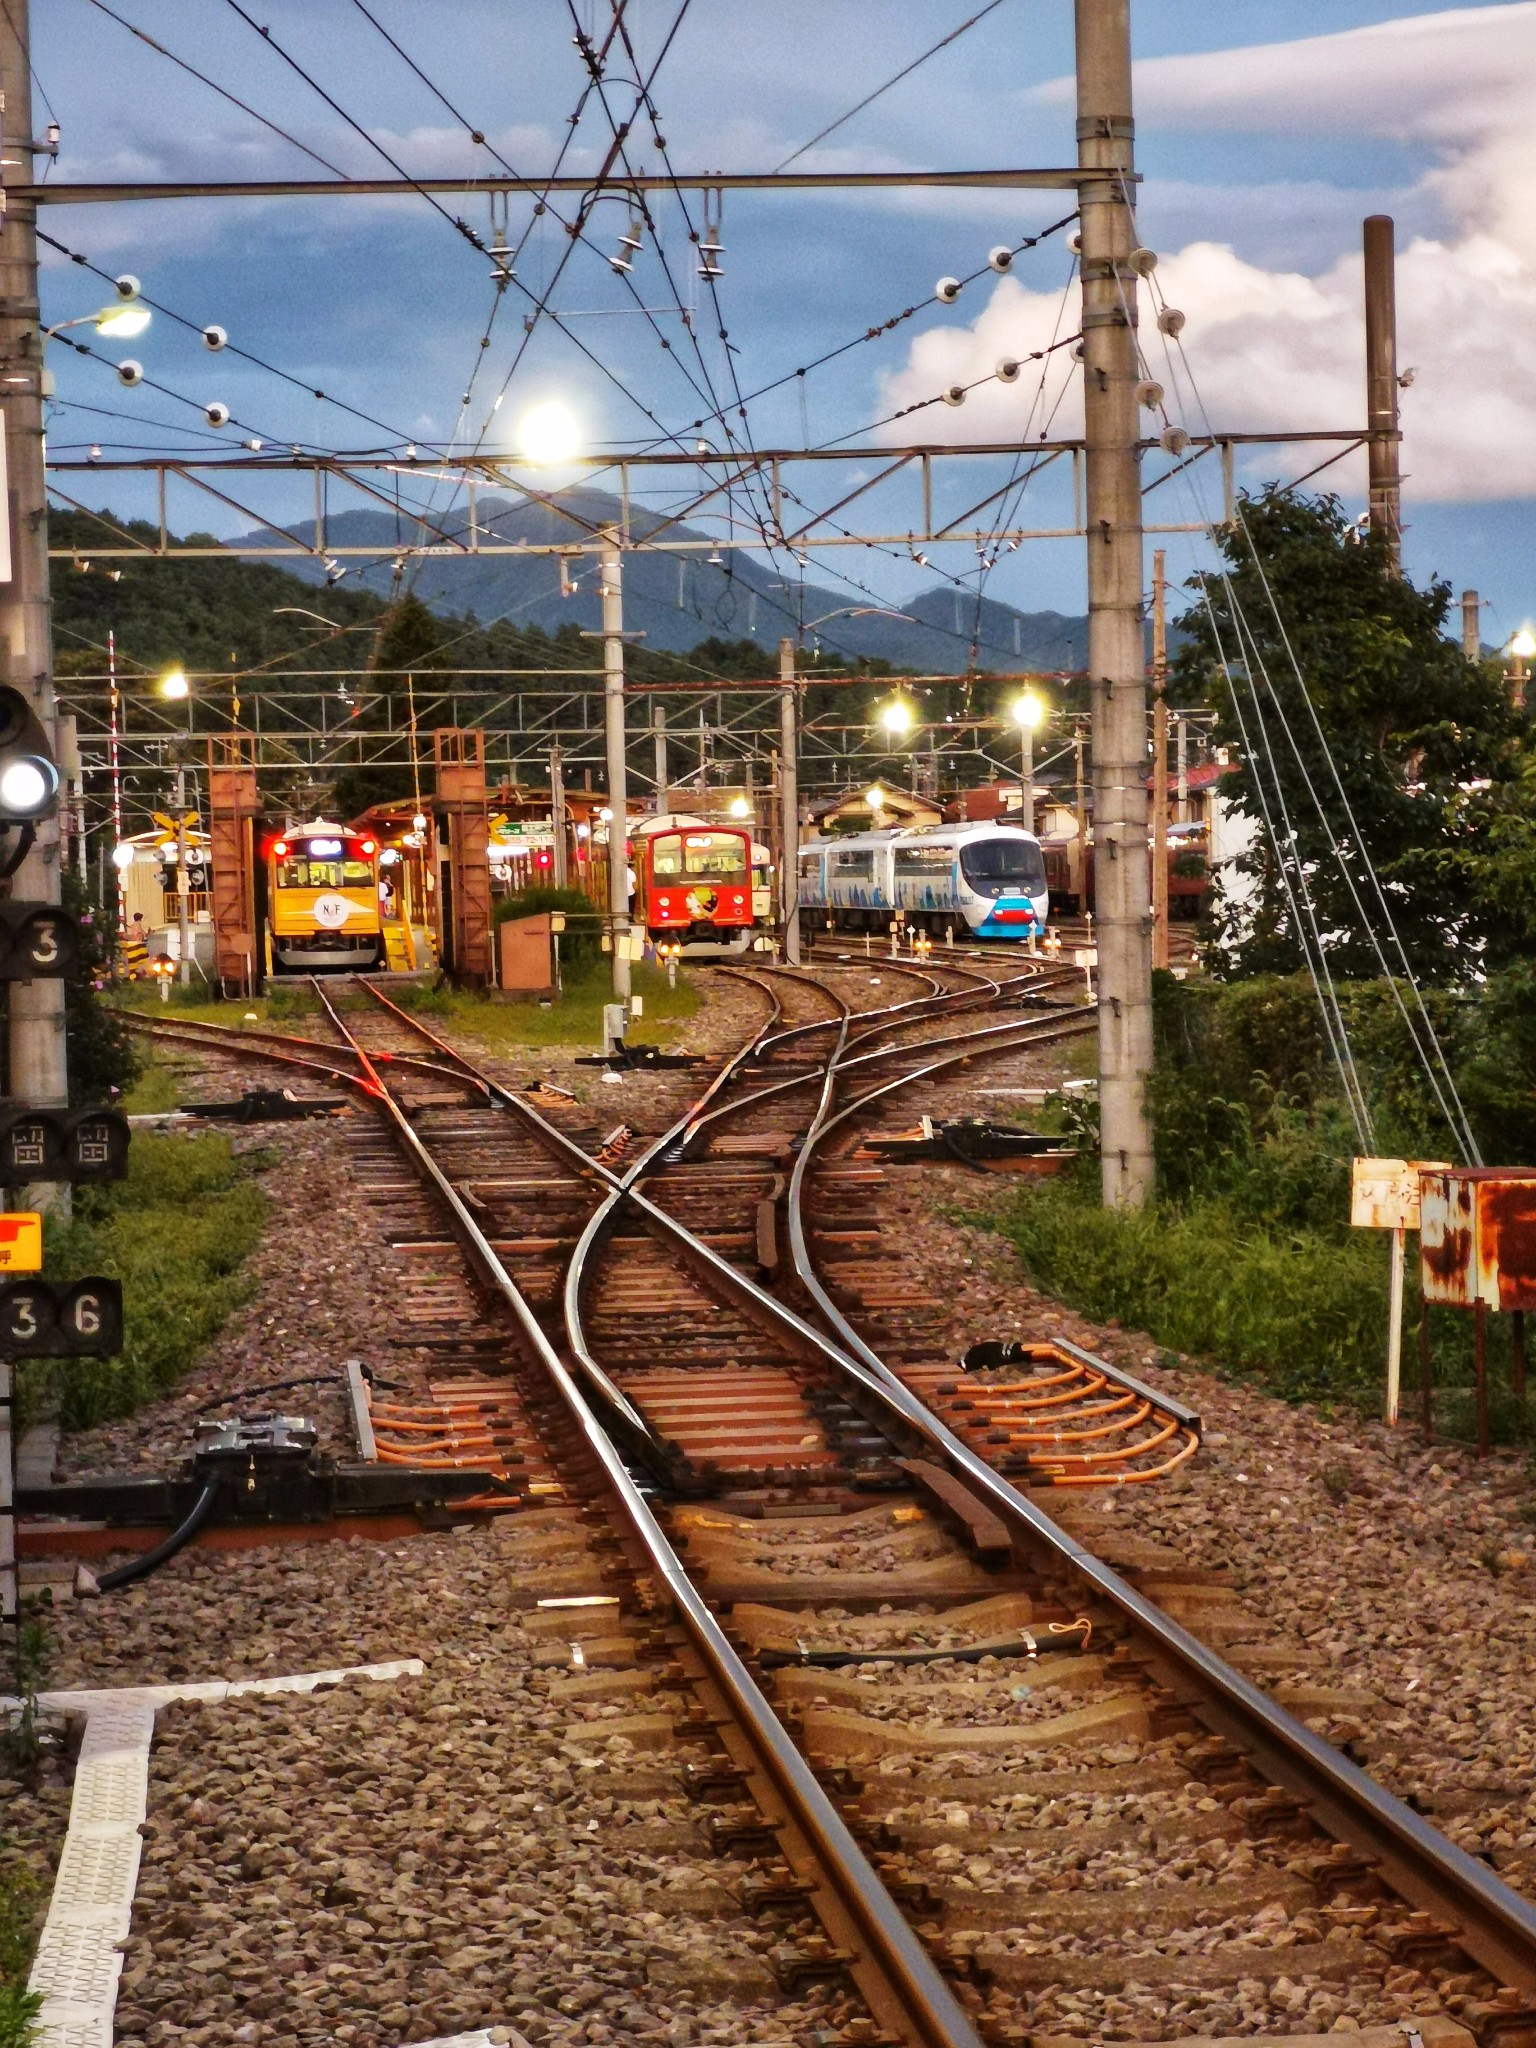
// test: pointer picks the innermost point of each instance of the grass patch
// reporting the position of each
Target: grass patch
(176, 1233)
(576, 1019)
(196, 1005)
(21, 1901)
(1300, 1311)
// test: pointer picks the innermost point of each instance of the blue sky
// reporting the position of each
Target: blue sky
(1261, 149)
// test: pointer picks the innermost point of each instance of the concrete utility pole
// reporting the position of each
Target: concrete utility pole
(1471, 625)
(789, 806)
(618, 782)
(659, 729)
(1159, 761)
(37, 1063)
(1381, 386)
(1116, 656)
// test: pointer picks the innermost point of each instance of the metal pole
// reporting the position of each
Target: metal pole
(789, 805)
(1116, 656)
(1159, 761)
(659, 728)
(38, 1073)
(1381, 387)
(183, 921)
(1471, 625)
(613, 728)
(1395, 1328)
(560, 864)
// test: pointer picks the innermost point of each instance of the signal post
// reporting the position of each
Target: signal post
(38, 1072)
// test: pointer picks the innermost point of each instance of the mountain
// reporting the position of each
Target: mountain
(676, 600)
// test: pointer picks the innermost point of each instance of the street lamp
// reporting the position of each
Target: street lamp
(740, 807)
(1028, 715)
(175, 688)
(1522, 647)
(896, 717)
(122, 322)
(874, 796)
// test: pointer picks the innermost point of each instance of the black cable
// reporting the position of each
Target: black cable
(213, 86)
(870, 98)
(231, 348)
(150, 1560)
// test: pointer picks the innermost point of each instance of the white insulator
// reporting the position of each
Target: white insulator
(1171, 320)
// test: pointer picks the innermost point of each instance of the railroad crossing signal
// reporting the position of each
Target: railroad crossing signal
(171, 828)
(62, 1144)
(38, 941)
(44, 1319)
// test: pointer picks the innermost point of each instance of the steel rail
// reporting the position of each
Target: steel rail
(1494, 1924)
(280, 1047)
(935, 2018)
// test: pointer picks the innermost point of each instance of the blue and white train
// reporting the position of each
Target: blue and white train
(984, 879)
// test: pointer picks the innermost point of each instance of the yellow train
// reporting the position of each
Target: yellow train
(322, 899)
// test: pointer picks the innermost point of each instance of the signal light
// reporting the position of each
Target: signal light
(41, 1320)
(369, 848)
(29, 775)
(280, 848)
(543, 858)
(62, 1144)
(38, 941)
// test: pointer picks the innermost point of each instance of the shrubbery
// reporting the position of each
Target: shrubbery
(176, 1233)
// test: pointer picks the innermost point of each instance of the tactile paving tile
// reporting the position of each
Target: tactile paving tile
(78, 1960)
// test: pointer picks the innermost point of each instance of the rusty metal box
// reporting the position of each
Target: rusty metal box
(1477, 1236)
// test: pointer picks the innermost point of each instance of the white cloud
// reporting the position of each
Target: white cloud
(1284, 350)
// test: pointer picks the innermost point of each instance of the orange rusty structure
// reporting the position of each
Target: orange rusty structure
(1477, 1251)
(464, 902)
(233, 807)
(1056, 1416)
(468, 1424)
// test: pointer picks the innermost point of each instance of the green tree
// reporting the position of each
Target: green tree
(1307, 617)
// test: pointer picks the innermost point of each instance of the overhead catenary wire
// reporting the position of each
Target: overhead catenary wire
(213, 85)
(870, 97)
(1420, 1027)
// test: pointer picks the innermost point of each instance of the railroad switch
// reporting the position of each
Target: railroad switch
(266, 1468)
(268, 1106)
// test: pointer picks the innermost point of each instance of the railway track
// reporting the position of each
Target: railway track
(993, 1792)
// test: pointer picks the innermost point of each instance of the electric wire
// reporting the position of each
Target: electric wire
(213, 86)
(869, 98)
(1421, 1030)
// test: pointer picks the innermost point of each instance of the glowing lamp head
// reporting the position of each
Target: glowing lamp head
(175, 686)
(418, 823)
(28, 785)
(369, 848)
(548, 433)
(280, 848)
(896, 717)
(874, 796)
(606, 815)
(1523, 646)
(123, 322)
(740, 808)
(1029, 712)
(122, 856)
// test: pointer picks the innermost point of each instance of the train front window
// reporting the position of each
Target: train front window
(720, 855)
(667, 857)
(324, 874)
(994, 865)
